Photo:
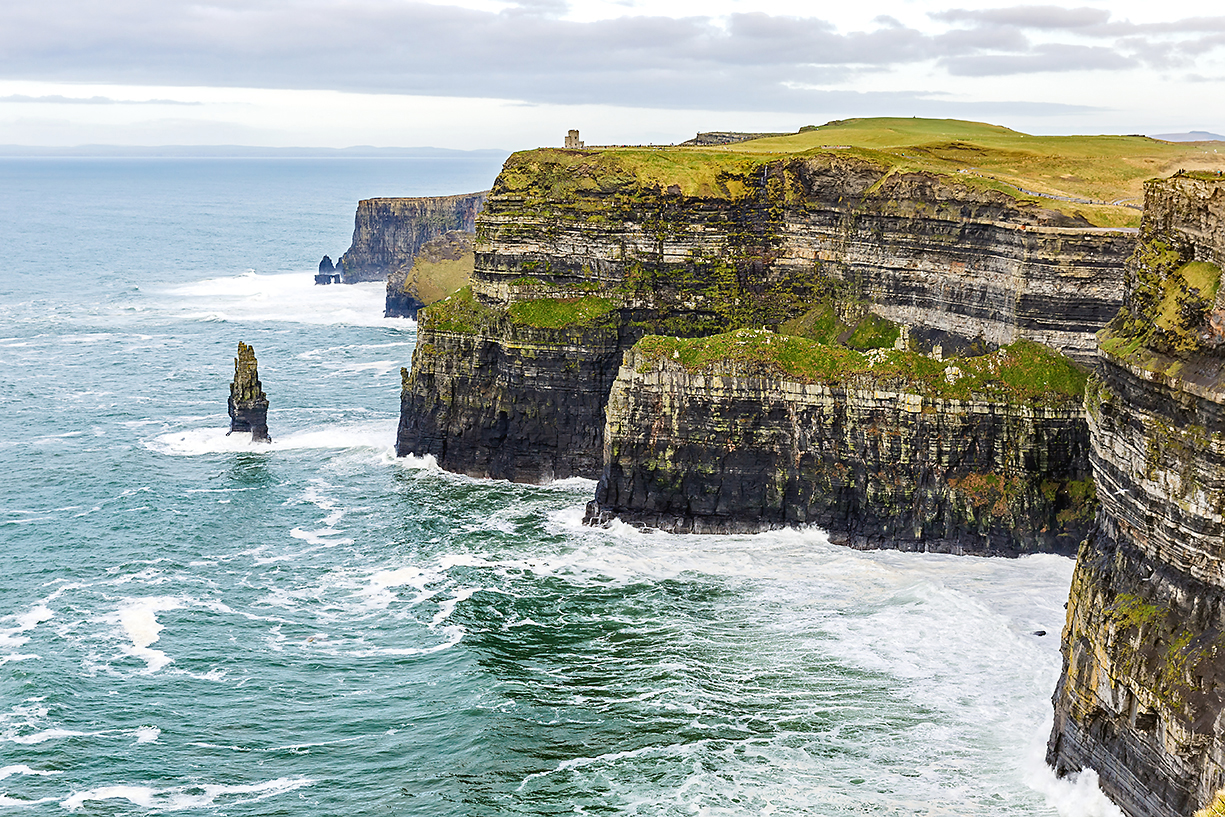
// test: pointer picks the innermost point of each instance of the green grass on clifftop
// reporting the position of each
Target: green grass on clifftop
(1023, 372)
(1106, 169)
(559, 313)
(464, 314)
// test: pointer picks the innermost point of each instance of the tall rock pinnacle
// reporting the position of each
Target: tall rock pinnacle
(248, 403)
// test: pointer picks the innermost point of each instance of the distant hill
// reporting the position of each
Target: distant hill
(1190, 136)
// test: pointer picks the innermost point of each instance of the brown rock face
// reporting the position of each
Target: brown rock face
(1142, 696)
(388, 233)
(248, 404)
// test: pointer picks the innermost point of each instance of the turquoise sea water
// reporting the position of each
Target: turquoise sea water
(191, 623)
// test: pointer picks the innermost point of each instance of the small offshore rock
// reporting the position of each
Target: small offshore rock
(327, 272)
(248, 404)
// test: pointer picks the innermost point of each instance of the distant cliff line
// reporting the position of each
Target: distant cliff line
(389, 232)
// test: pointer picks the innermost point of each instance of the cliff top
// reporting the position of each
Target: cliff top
(1023, 372)
(1099, 177)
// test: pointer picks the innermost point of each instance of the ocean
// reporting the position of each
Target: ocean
(193, 623)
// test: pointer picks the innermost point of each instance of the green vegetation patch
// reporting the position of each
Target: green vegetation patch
(461, 312)
(433, 280)
(822, 324)
(1099, 168)
(1168, 305)
(1130, 611)
(1023, 372)
(559, 313)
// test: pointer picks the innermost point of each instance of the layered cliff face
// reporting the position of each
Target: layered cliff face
(388, 233)
(1142, 696)
(510, 393)
(750, 431)
(749, 241)
(680, 243)
(248, 405)
(441, 268)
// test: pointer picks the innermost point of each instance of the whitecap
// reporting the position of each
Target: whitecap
(9, 771)
(281, 297)
(376, 434)
(179, 798)
(147, 734)
(138, 618)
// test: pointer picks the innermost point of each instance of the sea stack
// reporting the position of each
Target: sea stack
(248, 403)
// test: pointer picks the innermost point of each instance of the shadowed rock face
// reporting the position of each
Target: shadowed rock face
(1142, 695)
(248, 404)
(875, 463)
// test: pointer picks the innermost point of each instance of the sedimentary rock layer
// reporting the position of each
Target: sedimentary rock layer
(925, 250)
(755, 244)
(508, 401)
(248, 405)
(728, 452)
(1142, 695)
(388, 233)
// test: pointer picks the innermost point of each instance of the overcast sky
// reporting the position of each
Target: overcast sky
(496, 74)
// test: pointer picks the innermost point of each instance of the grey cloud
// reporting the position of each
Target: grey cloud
(749, 61)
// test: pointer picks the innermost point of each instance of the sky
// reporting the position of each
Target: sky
(513, 74)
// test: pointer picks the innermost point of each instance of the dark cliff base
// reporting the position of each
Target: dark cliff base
(527, 405)
(878, 467)
(401, 304)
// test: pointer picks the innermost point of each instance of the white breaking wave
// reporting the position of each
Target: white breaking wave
(378, 435)
(147, 734)
(180, 798)
(286, 297)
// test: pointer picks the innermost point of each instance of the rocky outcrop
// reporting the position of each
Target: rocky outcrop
(695, 245)
(493, 395)
(388, 233)
(248, 404)
(327, 272)
(1142, 695)
(442, 267)
(873, 457)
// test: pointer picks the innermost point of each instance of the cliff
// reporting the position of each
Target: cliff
(1142, 695)
(442, 267)
(510, 393)
(753, 430)
(688, 242)
(248, 405)
(388, 233)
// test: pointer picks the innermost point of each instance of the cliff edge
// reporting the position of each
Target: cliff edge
(1142, 694)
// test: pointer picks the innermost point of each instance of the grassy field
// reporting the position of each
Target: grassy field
(1109, 169)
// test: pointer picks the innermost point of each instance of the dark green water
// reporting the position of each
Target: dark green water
(192, 623)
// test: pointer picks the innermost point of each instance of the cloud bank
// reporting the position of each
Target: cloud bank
(742, 61)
